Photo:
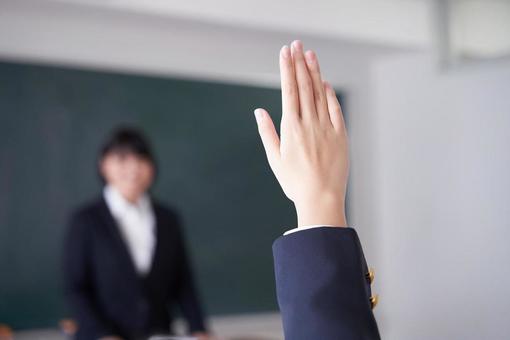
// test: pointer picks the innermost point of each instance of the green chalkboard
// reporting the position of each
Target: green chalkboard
(212, 169)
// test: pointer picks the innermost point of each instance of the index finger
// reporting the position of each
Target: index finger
(290, 97)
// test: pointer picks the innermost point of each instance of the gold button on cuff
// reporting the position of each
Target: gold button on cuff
(370, 275)
(374, 300)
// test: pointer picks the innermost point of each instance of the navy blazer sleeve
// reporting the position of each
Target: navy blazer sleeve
(78, 287)
(322, 287)
(187, 295)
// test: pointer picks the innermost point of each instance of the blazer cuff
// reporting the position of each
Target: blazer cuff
(307, 227)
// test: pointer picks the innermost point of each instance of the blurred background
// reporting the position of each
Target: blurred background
(425, 86)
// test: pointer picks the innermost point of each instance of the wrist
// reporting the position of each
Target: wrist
(325, 209)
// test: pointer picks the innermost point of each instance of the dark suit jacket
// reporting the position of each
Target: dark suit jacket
(107, 296)
(322, 286)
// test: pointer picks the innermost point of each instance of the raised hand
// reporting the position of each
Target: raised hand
(310, 158)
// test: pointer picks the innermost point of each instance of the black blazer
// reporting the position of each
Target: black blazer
(322, 286)
(107, 296)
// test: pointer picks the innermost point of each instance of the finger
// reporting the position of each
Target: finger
(335, 111)
(269, 137)
(304, 83)
(290, 100)
(319, 95)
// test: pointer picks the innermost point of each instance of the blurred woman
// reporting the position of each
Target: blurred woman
(125, 261)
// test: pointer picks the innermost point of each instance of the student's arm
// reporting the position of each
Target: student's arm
(78, 285)
(187, 295)
(322, 288)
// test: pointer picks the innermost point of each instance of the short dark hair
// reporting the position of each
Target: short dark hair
(127, 140)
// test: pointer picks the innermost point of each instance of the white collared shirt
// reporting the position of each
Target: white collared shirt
(137, 225)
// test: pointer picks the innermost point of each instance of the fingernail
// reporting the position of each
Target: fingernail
(297, 45)
(258, 114)
(285, 52)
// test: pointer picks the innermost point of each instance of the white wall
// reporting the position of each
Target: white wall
(443, 200)
(480, 28)
(404, 23)
(65, 33)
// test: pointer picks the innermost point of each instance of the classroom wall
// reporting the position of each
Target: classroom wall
(442, 179)
(87, 37)
(428, 187)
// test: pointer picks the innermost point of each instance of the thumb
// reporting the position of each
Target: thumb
(269, 137)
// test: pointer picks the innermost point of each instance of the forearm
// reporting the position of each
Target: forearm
(322, 287)
(192, 310)
(188, 297)
(88, 314)
(77, 280)
(321, 273)
(324, 210)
